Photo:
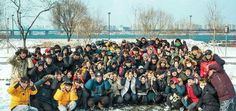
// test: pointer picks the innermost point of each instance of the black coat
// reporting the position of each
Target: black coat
(45, 92)
(35, 75)
(209, 100)
(150, 66)
(75, 64)
(51, 69)
(62, 65)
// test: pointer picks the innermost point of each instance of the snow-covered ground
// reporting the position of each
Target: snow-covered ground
(5, 69)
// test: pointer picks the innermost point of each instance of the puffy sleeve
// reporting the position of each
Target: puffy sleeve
(58, 95)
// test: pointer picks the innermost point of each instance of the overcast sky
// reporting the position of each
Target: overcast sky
(122, 11)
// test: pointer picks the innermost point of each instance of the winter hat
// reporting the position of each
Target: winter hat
(68, 83)
(173, 70)
(140, 67)
(98, 74)
(208, 52)
(40, 62)
(195, 48)
(153, 56)
(47, 50)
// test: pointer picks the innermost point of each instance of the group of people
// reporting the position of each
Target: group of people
(109, 74)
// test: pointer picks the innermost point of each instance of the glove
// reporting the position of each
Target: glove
(18, 51)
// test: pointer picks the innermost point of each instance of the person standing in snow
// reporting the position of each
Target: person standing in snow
(20, 64)
(208, 59)
(223, 86)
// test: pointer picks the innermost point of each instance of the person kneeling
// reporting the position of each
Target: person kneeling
(66, 97)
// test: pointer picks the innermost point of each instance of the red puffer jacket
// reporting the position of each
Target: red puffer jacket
(221, 82)
(192, 93)
(203, 68)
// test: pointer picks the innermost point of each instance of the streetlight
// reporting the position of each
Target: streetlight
(12, 24)
(109, 27)
(190, 25)
(226, 38)
(7, 36)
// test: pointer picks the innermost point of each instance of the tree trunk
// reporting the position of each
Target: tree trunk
(68, 38)
(24, 42)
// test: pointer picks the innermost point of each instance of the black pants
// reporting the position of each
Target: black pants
(142, 99)
(82, 102)
(115, 99)
(175, 104)
(130, 98)
(42, 106)
(103, 100)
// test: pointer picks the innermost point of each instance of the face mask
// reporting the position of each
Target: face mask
(189, 65)
(177, 44)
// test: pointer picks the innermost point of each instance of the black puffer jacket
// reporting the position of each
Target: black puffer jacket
(209, 100)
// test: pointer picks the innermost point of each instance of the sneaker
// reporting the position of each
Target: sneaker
(181, 109)
(167, 108)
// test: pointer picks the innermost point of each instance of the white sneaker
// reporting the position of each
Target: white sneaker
(167, 108)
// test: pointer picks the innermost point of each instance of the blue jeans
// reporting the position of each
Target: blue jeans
(228, 105)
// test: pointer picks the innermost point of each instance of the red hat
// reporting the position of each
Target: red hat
(175, 80)
(47, 50)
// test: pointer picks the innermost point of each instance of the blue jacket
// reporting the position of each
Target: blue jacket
(97, 89)
(179, 90)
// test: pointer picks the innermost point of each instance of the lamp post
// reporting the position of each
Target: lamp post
(12, 24)
(190, 25)
(109, 27)
(226, 38)
(7, 36)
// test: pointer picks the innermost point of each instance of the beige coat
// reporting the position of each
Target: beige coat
(19, 67)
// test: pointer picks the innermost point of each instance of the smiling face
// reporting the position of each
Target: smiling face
(40, 68)
(48, 60)
(99, 79)
(23, 55)
(188, 72)
(24, 84)
(208, 57)
(174, 74)
(68, 87)
(143, 80)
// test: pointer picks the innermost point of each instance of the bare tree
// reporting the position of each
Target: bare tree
(19, 8)
(151, 20)
(214, 19)
(67, 15)
(90, 27)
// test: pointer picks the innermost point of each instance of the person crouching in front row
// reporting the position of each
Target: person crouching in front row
(98, 89)
(129, 84)
(66, 97)
(20, 94)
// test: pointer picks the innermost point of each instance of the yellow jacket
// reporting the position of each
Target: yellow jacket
(20, 96)
(64, 98)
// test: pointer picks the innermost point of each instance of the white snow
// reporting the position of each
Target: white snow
(5, 68)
